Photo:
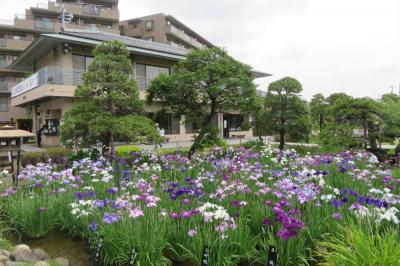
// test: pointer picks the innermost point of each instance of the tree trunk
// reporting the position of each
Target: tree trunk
(112, 146)
(196, 143)
(205, 126)
(281, 139)
(113, 110)
(365, 136)
(321, 122)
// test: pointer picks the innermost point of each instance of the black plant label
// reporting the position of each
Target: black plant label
(272, 256)
(99, 247)
(132, 257)
(205, 257)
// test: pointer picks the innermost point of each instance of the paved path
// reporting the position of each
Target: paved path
(185, 144)
(177, 145)
(31, 148)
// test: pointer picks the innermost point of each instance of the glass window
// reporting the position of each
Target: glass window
(19, 37)
(191, 128)
(236, 122)
(149, 25)
(81, 62)
(3, 104)
(149, 39)
(80, 65)
(166, 121)
(145, 74)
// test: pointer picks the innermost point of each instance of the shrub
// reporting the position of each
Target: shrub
(81, 154)
(126, 150)
(361, 245)
(55, 154)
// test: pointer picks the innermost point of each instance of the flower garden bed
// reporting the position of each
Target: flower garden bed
(236, 203)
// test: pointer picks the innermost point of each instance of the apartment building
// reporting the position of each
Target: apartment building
(18, 34)
(163, 29)
(58, 61)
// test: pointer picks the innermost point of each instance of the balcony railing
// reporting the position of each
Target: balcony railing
(91, 10)
(44, 25)
(48, 75)
(59, 76)
(2, 42)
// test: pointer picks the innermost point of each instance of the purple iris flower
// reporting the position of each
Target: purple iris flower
(90, 194)
(98, 203)
(111, 218)
(112, 190)
(93, 227)
(79, 195)
(336, 203)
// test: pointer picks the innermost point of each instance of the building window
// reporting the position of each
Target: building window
(166, 121)
(236, 122)
(145, 74)
(3, 104)
(19, 37)
(80, 64)
(149, 25)
(150, 39)
(191, 128)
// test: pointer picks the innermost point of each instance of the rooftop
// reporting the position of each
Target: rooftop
(46, 42)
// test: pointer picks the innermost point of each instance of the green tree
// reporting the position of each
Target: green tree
(204, 84)
(285, 109)
(108, 105)
(368, 114)
(390, 104)
(318, 106)
(338, 128)
(257, 114)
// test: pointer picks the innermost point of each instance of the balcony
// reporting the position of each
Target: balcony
(13, 44)
(23, 22)
(89, 10)
(3, 87)
(3, 64)
(182, 36)
(47, 82)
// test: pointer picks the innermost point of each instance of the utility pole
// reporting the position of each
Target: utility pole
(65, 17)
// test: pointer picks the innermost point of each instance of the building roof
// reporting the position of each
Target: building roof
(187, 29)
(128, 41)
(46, 42)
(174, 21)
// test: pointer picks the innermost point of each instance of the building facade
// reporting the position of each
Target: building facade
(18, 34)
(163, 29)
(58, 61)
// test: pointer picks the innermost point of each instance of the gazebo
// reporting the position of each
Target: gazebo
(10, 149)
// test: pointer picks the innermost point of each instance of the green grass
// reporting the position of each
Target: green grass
(358, 244)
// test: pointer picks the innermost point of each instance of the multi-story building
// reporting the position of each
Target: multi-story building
(17, 35)
(163, 29)
(58, 61)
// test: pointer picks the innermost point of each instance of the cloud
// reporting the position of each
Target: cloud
(328, 45)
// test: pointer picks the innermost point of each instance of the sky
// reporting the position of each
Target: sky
(350, 46)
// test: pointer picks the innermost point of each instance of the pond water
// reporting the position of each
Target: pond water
(59, 244)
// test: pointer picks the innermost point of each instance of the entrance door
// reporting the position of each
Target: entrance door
(226, 126)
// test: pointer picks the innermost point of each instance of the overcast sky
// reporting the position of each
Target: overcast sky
(350, 46)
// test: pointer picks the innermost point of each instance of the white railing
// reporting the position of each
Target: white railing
(59, 76)
(48, 75)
